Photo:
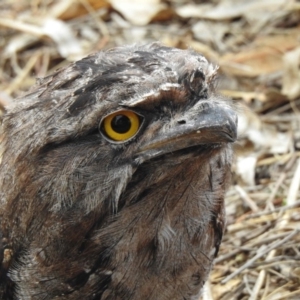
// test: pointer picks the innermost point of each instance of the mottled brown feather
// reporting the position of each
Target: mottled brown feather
(83, 217)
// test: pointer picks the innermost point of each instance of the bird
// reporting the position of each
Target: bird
(113, 175)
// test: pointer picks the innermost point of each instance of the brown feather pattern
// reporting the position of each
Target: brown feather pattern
(86, 218)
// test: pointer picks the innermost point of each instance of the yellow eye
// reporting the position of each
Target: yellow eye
(121, 125)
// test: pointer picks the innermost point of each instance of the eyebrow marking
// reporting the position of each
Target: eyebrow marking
(165, 87)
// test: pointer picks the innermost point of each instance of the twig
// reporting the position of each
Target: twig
(101, 25)
(23, 27)
(23, 74)
(278, 209)
(281, 180)
(261, 278)
(294, 187)
(263, 251)
(246, 198)
(207, 291)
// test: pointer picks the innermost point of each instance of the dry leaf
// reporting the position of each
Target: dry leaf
(193, 10)
(291, 76)
(70, 9)
(61, 33)
(263, 57)
(138, 12)
(227, 10)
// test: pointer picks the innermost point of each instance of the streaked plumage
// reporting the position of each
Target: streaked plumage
(86, 217)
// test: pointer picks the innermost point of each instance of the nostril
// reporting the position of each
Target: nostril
(181, 122)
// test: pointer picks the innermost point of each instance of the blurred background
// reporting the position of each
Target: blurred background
(256, 43)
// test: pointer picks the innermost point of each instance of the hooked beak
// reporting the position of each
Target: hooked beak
(214, 123)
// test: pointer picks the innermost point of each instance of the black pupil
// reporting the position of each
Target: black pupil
(120, 124)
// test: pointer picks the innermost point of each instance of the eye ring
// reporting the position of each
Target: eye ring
(121, 125)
